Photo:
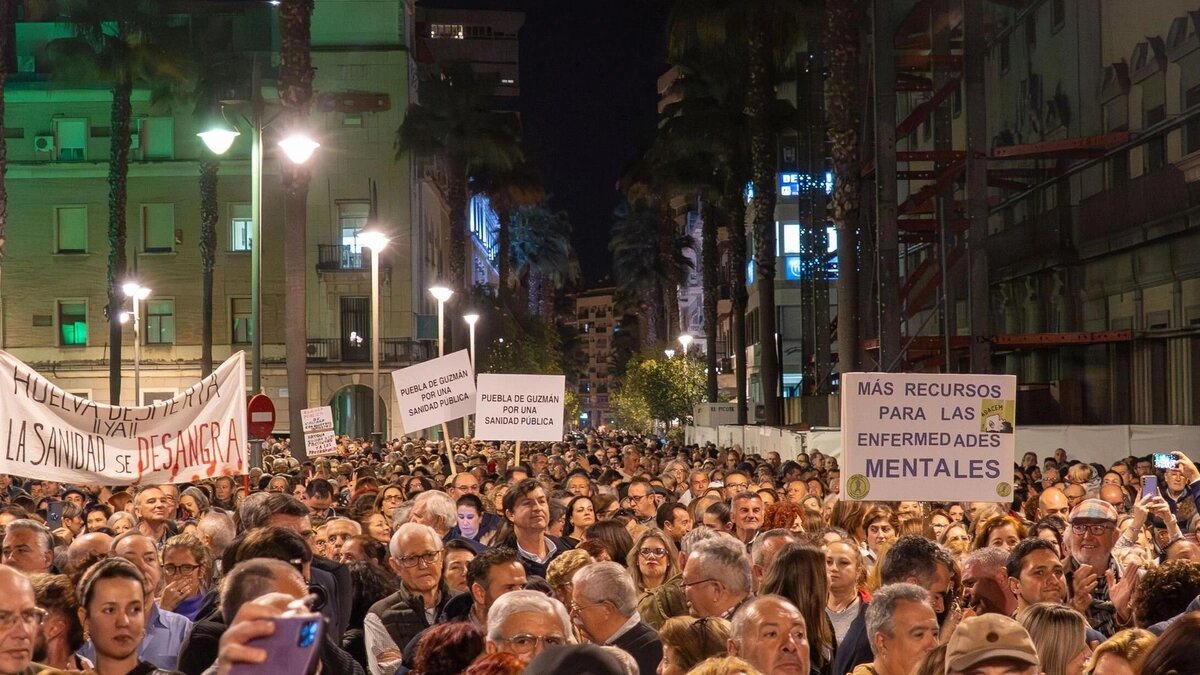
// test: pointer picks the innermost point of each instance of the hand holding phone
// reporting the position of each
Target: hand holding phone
(1149, 486)
(1165, 460)
(290, 645)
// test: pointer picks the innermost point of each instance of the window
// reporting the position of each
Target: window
(160, 322)
(158, 227)
(72, 323)
(1004, 54)
(156, 137)
(1031, 30)
(70, 229)
(1058, 14)
(352, 218)
(1156, 148)
(791, 237)
(452, 31)
(240, 315)
(70, 138)
(1191, 133)
(241, 227)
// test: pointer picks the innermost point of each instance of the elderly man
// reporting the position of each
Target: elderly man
(524, 623)
(717, 578)
(640, 500)
(769, 633)
(416, 557)
(154, 511)
(796, 491)
(697, 484)
(747, 513)
(991, 645)
(985, 582)
(528, 511)
(762, 556)
(1098, 589)
(604, 606)
(337, 531)
(18, 602)
(216, 530)
(85, 549)
(902, 628)
(28, 546)
(435, 509)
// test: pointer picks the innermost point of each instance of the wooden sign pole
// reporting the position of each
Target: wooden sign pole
(449, 450)
(517, 457)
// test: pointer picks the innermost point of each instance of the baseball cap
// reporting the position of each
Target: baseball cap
(1094, 509)
(991, 636)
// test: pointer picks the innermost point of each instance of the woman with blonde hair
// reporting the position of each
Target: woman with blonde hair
(1059, 635)
(654, 565)
(799, 575)
(687, 641)
(1124, 652)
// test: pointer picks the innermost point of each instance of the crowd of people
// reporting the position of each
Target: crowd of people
(604, 553)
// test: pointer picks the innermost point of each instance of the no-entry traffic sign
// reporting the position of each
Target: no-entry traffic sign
(260, 416)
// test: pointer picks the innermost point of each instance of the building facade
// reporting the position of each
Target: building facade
(594, 319)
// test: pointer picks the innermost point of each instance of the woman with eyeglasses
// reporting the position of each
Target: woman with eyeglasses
(688, 641)
(187, 572)
(112, 607)
(654, 566)
(388, 500)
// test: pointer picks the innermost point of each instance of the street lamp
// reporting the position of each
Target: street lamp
(441, 294)
(471, 319)
(218, 140)
(137, 292)
(670, 353)
(376, 241)
(686, 341)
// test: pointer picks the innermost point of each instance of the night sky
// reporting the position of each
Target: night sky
(588, 102)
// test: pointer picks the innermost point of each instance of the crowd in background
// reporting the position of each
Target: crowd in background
(604, 553)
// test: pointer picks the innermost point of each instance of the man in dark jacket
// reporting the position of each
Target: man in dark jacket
(416, 557)
(604, 606)
(528, 510)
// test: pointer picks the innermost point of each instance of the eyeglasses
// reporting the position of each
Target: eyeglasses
(688, 584)
(636, 498)
(523, 643)
(34, 616)
(394, 498)
(179, 569)
(577, 608)
(425, 559)
(652, 552)
(737, 486)
(1098, 530)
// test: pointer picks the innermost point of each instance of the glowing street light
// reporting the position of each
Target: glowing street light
(686, 341)
(670, 353)
(441, 294)
(471, 320)
(376, 241)
(298, 147)
(137, 293)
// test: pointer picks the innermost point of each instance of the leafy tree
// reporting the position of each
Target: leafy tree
(541, 256)
(509, 189)
(656, 388)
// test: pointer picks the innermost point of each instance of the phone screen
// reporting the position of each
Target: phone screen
(1149, 485)
(54, 514)
(1165, 461)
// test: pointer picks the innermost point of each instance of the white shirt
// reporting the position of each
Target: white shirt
(379, 640)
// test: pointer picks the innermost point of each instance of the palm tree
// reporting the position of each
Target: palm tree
(455, 119)
(508, 190)
(295, 94)
(120, 43)
(770, 32)
(7, 10)
(649, 263)
(542, 256)
(208, 251)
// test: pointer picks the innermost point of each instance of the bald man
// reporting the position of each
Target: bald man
(85, 547)
(1115, 495)
(1053, 502)
(16, 643)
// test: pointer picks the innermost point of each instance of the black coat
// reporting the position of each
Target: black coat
(200, 651)
(855, 649)
(334, 579)
(642, 643)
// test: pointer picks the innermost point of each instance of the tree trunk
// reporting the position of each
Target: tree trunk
(295, 93)
(208, 251)
(6, 11)
(457, 201)
(738, 297)
(503, 247)
(118, 188)
(760, 94)
(708, 274)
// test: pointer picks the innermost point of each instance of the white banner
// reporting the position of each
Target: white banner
(925, 437)
(320, 443)
(49, 434)
(317, 419)
(520, 408)
(435, 391)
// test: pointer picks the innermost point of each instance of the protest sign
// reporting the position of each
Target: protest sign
(316, 419)
(912, 436)
(435, 391)
(319, 438)
(519, 408)
(320, 443)
(49, 434)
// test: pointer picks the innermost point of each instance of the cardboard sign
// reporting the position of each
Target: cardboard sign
(930, 437)
(520, 408)
(320, 443)
(49, 434)
(435, 391)
(317, 419)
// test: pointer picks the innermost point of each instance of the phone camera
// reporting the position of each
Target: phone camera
(308, 633)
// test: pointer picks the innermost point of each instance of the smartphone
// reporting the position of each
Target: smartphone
(54, 515)
(1150, 486)
(292, 648)
(1165, 461)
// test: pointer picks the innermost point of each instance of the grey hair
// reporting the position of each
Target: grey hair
(198, 495)
(607, 582)
(757, 553)
(411, 528)
(723, 558)
(354, 525)
(401, 514)
(697, 535)
(883, 607)
(117, 517)
(440, 505)
(45, 539)
(993, 559)
(741, 618)
(517, 602)
(218, 527)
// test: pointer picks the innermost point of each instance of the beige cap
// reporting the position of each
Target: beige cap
(991, 636)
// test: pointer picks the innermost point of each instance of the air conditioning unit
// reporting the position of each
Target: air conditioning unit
(135, 140)
(43, 143)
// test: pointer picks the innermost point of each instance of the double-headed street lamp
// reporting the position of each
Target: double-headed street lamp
(137, 293)
(376, 241)
(441, 294)
(298, 148)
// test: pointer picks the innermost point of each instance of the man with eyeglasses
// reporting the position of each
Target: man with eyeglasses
(604, 607)
(525, 623)
(717, 578)
(416, 557)
(1100, 589)
(641, 502)
(736, 483)
(20, 621)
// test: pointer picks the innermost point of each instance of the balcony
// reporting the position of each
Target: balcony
(1110, 218)
(392, 351)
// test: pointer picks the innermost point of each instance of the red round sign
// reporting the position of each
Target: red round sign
(260, 416)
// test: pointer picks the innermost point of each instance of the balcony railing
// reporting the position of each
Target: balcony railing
(391, 350)
(338, 258)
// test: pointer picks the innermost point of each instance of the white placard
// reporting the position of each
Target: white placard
(520, 408)
(929, 437)
(317, 419)
(435, 391)
(320, 443)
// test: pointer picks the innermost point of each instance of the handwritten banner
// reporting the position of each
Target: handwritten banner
(48, 434)
(519, 408)
(435, 391)
(928, 437)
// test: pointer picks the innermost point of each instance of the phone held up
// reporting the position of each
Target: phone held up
(1149, 486)
(293, 647)
(1165, 460)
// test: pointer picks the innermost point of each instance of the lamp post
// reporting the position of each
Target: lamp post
(138, 293)
(298, 148)
(686, 341)
(471, 319)
(441, 294)
(670, 353)
(376, 241)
